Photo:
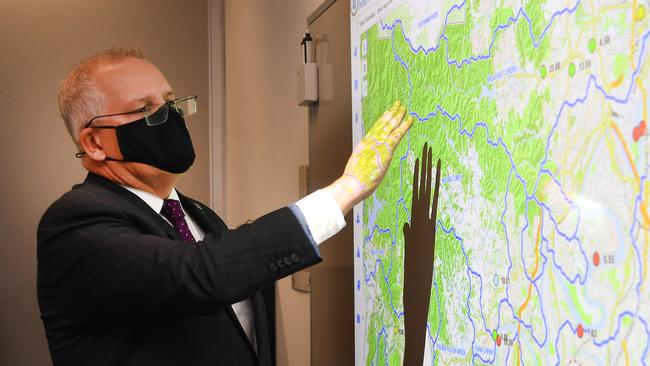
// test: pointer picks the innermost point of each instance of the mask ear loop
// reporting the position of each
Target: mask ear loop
(81, 154)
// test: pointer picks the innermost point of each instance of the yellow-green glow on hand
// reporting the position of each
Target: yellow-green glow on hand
(371, 157)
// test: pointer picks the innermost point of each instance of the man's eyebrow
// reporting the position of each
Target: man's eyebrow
(147, 100)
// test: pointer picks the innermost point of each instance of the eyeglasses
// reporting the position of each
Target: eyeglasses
(186, 106)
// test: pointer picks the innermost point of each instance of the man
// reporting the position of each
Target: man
(130, 271)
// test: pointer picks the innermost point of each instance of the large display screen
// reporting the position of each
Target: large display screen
(538, 113)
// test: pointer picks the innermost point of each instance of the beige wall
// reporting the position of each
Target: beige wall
(40, 43)
(266, 131)
(267, 134)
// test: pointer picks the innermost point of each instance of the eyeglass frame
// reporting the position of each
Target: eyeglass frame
(141, 110)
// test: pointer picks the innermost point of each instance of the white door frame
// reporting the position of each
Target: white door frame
(217, 105)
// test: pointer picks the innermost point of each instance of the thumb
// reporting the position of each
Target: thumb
(406, 228)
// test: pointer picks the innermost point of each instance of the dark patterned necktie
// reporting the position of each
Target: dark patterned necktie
(173, 212)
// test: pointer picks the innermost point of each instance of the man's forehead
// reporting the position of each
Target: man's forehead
(133, 81)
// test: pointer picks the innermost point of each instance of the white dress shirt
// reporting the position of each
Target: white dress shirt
(323, 219)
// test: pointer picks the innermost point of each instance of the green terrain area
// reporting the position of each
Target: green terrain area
(460, 123)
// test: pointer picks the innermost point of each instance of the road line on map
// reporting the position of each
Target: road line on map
(597, 86)
(530, 285)
(645, 232)
(644, 210)
(596, 133)
(632, 34)
(616, 83)
(536, 268)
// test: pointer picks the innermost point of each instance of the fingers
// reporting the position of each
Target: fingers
(395, 120)
(398, 133)
(406, 229)
(428, 174)
(423, 174)
(387, 116)
(416, 185)
(392, 125)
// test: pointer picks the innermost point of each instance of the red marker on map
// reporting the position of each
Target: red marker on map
(499, 341)
(639, 131)
(580, 331)
(596, 259)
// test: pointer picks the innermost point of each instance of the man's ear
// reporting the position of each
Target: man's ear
(91, 144)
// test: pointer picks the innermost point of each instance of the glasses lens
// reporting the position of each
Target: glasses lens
(186, 106)
(158, 116)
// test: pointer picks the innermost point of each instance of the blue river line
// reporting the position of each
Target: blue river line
(579, 278)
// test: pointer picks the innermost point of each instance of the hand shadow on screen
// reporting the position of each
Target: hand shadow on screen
(419, 238)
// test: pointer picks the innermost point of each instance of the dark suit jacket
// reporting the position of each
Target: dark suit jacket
(117, 286)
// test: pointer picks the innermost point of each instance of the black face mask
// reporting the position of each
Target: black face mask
(167, 146)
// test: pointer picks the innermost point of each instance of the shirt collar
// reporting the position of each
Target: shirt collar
(152, 200)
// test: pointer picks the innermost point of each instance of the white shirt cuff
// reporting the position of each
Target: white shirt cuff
(323, 215)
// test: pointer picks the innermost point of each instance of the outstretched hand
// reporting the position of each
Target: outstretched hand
(423, 219)
(371, 157)
(419, 253)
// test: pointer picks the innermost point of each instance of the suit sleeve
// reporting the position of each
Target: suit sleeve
(94, 265)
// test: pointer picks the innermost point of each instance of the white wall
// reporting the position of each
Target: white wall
(266, 134)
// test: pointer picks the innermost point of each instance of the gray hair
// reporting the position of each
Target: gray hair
(79, 99)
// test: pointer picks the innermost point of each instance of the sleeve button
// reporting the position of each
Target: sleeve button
(280, 263)
(288, 261)
(295, 258)
(273, 267)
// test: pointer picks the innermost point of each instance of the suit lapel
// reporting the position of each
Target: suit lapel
(261, 329)
(237, 324)
(198, 214)
(202, 218)
(135, 201)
